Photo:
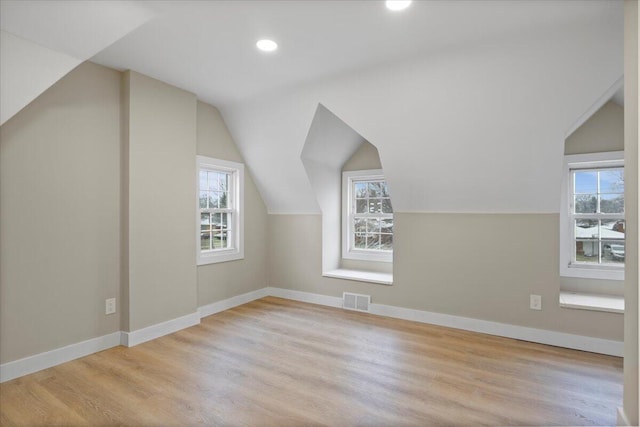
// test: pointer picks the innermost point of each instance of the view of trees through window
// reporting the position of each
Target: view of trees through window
(215, 210)
(373, 216)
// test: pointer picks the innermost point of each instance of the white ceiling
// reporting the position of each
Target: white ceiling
(209, 47)
(467, 101)
(77, 28)
(43, 40)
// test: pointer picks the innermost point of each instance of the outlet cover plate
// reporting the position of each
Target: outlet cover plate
(535, 302)
(110, 306)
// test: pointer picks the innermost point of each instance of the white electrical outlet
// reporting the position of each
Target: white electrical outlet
(535, 302)
(110, 306)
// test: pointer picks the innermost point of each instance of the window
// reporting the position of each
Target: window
(367, 224)
(220, 199)
(593, 236)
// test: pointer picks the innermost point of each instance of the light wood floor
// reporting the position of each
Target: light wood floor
(278, 362)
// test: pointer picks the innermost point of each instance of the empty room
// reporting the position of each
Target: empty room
(314, 212)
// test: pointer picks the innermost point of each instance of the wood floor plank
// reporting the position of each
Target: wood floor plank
(280, 362)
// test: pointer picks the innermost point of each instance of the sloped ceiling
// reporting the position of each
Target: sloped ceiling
(477, 128)
(468, 102)
(43, 40)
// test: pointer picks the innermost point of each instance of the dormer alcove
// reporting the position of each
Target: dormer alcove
(333, 150)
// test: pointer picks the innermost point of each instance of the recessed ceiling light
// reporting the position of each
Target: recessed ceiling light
(266, 45)
(398, 4)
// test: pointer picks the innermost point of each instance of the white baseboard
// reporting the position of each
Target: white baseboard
(158, 330)
(622, 419)
(305, 297)
(217, 307)
(542, 336)
(48, 359)
(28, 365)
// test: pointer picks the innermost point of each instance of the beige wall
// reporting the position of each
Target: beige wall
(604, 131)
(631, 18)
(162, 171)
(224, 280)
(59, 204)
(481, 266)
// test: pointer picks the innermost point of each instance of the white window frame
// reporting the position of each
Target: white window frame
(236, 203)
(348, 209)
(567, 238)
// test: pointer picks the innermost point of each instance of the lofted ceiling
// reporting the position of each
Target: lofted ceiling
(41, 41)
(467, 101)
(208, 47)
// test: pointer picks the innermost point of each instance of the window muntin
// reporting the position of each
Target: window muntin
(368, 218)
(216, 210)
(597, 217)
(219, 214)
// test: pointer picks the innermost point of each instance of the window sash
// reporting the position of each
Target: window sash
(568, 266)
(598, 216)
(353, 215)
(230, 210)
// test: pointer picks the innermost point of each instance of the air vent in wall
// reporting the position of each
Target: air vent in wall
(356, 302)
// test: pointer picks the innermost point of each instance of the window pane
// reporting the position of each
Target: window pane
(387, 226)
(587, 251)
(384, 189)
(585, 182)
(612, 203)
(213, 199)
(373, 241)
(203, 180)
(216, 221)
(386, 242)
(612, 229)
(205, 222)
(224, 240)
(217, 239)
(360, 190)
(612, 181)
(613, 251)
(225, 221)
(375, 189)
(360, 225)
(375, 205)
(586, 203)
(586, 229)
(203, 199)
(213, 181)
(205, 241)
(223, 200)
(373, 225)
(361, 206)
(224, 182)
(386, 206)
(360, 241)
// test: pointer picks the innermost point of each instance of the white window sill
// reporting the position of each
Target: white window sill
(592, 273)
(361, 276)
(205, 258)
(608, 303)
